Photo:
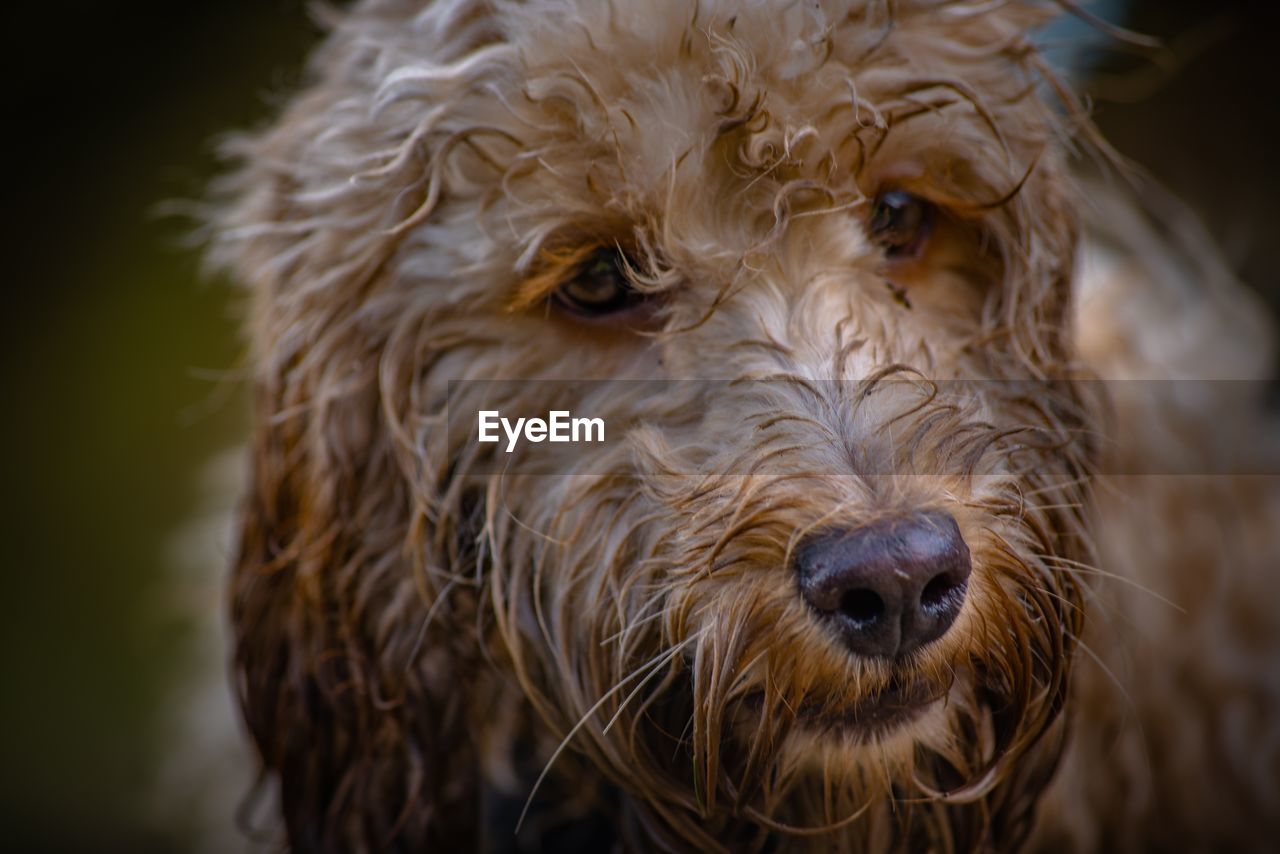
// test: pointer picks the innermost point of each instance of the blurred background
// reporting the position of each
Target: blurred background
(121, 361)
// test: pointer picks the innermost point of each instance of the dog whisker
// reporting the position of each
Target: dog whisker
(1077, 566)
(652, 667)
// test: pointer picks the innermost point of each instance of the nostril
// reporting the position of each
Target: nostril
(941, 592)
(862, 606)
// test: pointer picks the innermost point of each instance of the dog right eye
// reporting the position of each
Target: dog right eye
(599, 287)
(900, 223)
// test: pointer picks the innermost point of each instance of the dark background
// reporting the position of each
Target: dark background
(113, 344)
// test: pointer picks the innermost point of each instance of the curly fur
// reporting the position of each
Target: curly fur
(413, 637)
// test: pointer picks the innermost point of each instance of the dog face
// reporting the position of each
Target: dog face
(818, 588)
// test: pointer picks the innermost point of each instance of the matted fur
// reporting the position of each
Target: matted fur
(412, 638)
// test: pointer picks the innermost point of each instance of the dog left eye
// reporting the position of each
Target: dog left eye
(599, 287)
(900, 222)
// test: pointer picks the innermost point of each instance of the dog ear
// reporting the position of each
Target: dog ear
(348, 669)
(354, 703)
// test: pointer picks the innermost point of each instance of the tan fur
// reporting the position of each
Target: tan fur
(411, 635)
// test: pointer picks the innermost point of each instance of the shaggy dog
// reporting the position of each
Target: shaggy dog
(872, 561)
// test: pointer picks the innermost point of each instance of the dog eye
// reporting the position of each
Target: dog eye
(599, 287)
(900, 223)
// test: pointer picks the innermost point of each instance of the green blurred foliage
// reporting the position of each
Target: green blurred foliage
(111, 338)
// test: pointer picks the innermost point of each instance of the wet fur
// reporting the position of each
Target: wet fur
(412, 638)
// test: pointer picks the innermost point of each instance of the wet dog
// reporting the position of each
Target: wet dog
(856, 568)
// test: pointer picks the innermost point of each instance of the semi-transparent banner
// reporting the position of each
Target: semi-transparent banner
(893, 425)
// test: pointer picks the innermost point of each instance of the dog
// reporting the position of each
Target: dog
(912, 530)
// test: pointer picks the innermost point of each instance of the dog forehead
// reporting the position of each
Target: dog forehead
(554, 122)
(655, 80)
(647, 82)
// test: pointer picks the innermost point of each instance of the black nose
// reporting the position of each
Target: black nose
(890, 587)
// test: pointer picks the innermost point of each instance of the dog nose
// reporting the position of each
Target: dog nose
(890, 587)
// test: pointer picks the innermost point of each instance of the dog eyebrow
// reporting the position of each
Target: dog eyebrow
(555, 266)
